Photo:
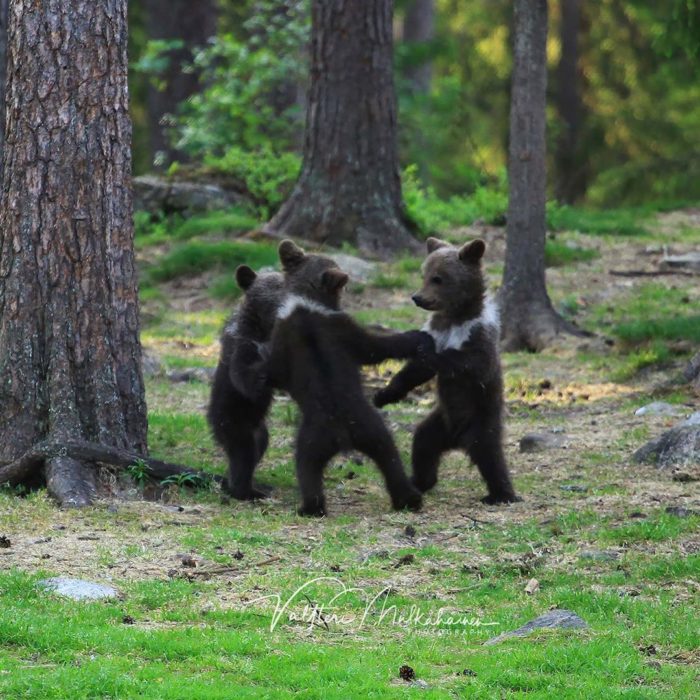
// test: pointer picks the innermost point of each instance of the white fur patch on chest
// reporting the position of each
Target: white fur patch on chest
(294, 302)
(454, 337)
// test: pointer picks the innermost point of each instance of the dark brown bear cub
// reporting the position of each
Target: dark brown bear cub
(469, 414)
(239, 398)
(316, 354)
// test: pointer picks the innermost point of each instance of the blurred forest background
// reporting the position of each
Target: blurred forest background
(623, 100)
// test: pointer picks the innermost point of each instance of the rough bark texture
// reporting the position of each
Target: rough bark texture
(691, 373)
(528, 319)
(571, 164)
(349, 188)
(3, 72)
(69, 328)
(419, 28)
(193, 23)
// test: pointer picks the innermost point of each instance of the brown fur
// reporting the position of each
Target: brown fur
(469, 413)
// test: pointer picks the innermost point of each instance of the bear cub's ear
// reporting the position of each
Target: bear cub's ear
(245, 276)
(290, 254)
(334, 279)
(473, 251)
(433, 244)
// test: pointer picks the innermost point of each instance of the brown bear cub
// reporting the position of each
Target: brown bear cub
(316, 354)
(469, 414)
(239, 401)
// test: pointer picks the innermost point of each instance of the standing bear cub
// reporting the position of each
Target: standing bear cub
(465, 327)
(316, 354)
(239, 401)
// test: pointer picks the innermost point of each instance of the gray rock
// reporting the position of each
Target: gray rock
(680, 511)
(155, 195)
(539, 442)
(689, 261)
(360, 270)
(599, 555)
(678, 447)
(574, 488)
(192, 374)
(564, 619)
(76, 589)
(659, 408)
(692, 419)
(150, 364)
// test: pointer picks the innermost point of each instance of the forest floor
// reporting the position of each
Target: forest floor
(203, 581)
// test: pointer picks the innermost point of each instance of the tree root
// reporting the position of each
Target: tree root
(61, 458)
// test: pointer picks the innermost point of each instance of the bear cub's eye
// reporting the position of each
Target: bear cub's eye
(436, 280)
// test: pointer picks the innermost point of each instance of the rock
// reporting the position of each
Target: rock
(539, 442)
(680, 511)
(150, 364)
(533, 585)
(688, 261)
(419, 684)
(692, 419)
(157, 195)
(599, 555)
(77, 589)
(192, 374)
(564, 619)
(678, 447)
(360, 270)
(659, 408)
(574, 488)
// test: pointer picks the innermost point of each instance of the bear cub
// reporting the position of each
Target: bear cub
(469, 413)
(239, 399)
(316, 354)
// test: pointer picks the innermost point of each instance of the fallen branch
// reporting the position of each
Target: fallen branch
(649, 273)
(17, 472)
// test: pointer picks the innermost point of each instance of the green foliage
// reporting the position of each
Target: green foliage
(433, 215)
(559, 253)
(196, 257)
(138, 471)
(618, 222)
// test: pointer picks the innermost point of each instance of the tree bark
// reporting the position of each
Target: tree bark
(571, 164)
(192, 23)
(528, 319)
(349, 188)
(419, 28)
(3, 73)
(70, 355)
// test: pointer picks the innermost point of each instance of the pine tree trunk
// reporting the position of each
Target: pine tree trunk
(69, 329)
(571, 163)
(419, 28)
(3, 72)
(193, 22)
(350, 187)
(528, 319)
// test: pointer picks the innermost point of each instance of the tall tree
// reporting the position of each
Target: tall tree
(528, 319)
(3, 72)
(419, 30)
(349, 188)
(188, 25)
(571, 163)
(69, 328)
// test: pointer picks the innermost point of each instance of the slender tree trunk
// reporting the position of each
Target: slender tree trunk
(528, 319)
(69, 328)
(193, 23)
(571, 165)
(349, 188)
(419, 28)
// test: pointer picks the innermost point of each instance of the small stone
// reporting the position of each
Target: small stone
(574, 488)
(335, 568)
(564, 619)
(659, 408)
(688, 261)
(467, 672)
(360, 270)
(599, 555)
(419, 684)
(539, 442)
(77, 589)
(533, 586)
(680, 511)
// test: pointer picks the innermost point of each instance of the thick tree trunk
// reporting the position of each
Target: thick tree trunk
(528, 319)
(69, 328)
(192, 23)
(571, 164)
(419, 29)
(3, 73)
(349, 188)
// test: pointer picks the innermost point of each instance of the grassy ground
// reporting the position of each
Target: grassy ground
(204, 581)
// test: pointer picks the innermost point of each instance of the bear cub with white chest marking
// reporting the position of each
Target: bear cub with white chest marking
(316, 354)
(469, 413)
(239, 399)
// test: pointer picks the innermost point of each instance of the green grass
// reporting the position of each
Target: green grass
(617, 222)
(558, 254)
